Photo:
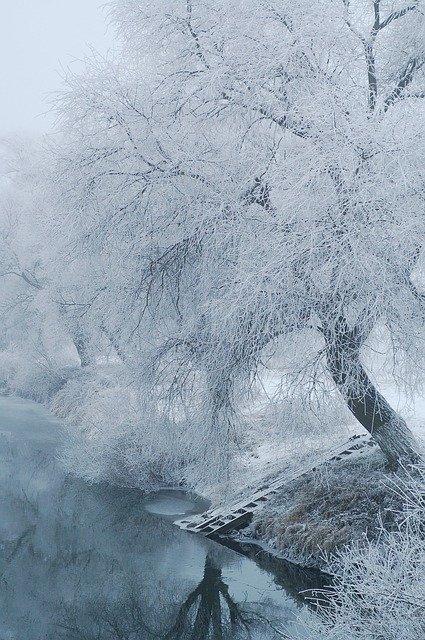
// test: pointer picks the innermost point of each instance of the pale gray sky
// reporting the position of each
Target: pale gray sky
(36, 38)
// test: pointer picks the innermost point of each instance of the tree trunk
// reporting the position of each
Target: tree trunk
(81, 345)
(365, 402)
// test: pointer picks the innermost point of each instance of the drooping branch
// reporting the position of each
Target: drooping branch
(28, 277)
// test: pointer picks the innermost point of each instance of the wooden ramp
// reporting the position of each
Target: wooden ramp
(218, 521)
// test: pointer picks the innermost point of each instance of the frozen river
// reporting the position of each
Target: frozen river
(82, 562)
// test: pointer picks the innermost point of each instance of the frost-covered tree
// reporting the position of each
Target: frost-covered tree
(40, 327)
(246, 173)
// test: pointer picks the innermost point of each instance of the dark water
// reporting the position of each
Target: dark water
(80, 562)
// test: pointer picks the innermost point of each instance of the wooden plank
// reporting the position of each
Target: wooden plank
(217, 521)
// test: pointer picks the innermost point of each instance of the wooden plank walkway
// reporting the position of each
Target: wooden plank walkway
(218, 521)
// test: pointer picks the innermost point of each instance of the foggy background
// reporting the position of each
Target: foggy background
(38, 39)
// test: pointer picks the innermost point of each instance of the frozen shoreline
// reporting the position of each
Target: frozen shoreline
(278, 525)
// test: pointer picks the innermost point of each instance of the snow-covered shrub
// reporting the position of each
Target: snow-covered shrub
(116, 433)
(379, 591)
(36, 378)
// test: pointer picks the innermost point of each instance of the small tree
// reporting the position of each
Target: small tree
(255, 174)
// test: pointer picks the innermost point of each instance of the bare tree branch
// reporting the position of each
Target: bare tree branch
(405, 80)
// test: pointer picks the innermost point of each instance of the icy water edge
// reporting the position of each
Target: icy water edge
(82, 562)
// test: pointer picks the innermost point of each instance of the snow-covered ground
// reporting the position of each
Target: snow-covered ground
(275, 443)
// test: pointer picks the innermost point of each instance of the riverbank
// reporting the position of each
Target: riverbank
(384, 560)
(378, 591)
(342, 503)
(108, 441)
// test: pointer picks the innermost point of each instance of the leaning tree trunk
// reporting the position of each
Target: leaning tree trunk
(365, 402)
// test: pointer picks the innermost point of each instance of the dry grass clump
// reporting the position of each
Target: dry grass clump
(378, 592)
(320, 513)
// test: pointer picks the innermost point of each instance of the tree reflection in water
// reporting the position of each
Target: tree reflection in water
(209, 611)
(80, 562)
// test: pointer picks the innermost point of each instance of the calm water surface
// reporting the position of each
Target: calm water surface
(81, 562)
